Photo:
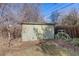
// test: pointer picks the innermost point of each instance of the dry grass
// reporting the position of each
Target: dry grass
(19, 48)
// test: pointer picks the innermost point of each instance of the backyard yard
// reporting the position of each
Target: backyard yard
(26, 31)
(44, 48)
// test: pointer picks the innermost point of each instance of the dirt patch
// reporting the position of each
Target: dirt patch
(34, 48)
(31, 51)
(19, 48)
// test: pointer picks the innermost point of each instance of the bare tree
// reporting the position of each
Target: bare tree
(30, 13)
(10, 21)
(54, 16)
(71, 18)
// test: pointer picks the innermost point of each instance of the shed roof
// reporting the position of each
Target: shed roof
(37, 23)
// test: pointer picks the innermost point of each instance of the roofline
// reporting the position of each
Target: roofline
(36, 23)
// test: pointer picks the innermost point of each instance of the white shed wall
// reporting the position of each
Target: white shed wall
(29, 34)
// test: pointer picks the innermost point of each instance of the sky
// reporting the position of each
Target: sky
(63, 8)
(47, 8)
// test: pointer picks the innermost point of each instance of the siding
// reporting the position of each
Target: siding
(35, 32)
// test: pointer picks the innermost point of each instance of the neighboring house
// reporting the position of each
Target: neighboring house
(35, 31)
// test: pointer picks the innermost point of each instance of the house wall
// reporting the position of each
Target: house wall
(35, 32)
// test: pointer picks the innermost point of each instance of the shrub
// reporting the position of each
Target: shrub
(75, 42)
(63, 36)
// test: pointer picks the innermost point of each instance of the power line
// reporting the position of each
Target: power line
(63, 7)
(57, 9)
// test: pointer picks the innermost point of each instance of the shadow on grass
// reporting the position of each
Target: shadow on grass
(53, 50)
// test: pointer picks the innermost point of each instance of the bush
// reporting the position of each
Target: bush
(75, 42)
(63, 36)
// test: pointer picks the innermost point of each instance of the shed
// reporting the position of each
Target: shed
(33, 31)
